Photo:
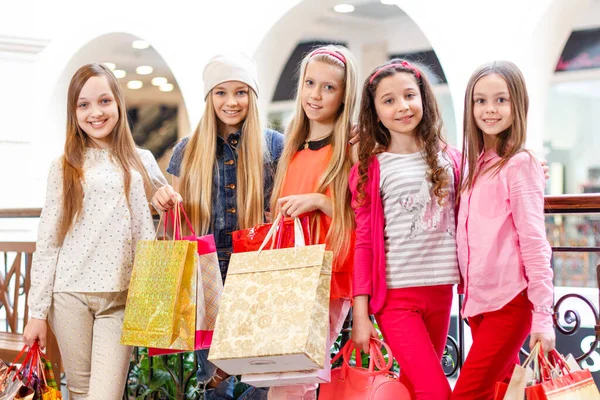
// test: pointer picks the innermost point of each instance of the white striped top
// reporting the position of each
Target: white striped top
(420, 235)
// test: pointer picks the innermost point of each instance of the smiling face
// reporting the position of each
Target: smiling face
(492, 108)
(230, 100)
(398, 103)
(97, 111)
(322, 92)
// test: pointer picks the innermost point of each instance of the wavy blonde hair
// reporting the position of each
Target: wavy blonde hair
(198, 169)
(123, 148)
(335, 176)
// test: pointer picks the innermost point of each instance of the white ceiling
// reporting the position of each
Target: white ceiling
(116, 48)
(372, 9)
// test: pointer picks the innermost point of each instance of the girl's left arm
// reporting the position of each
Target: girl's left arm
(45, 258)
(526, 187)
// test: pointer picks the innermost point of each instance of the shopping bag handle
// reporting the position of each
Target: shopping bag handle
(175, 215)
(558, 361)
(278, 224)
(176, 218)
(376, 358)
(30, 359)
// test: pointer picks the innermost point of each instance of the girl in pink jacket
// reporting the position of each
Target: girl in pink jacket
(503, 252)
(405, 259)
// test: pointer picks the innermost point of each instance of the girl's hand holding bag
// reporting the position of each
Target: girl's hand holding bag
(24, 383)
(377, 382)
(556, 380)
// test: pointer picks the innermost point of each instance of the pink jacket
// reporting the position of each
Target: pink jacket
(369, 252)
(501, 239)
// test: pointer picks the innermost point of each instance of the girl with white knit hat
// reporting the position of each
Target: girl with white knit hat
(224, 175)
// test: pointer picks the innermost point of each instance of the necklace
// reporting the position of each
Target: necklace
(316, 144)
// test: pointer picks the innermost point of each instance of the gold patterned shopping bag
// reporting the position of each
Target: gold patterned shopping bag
(161, 303)
(274, 311)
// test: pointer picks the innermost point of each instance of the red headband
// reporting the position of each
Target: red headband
(404, 64)
(333, 54)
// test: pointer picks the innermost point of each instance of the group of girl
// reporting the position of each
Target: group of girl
(411, 218)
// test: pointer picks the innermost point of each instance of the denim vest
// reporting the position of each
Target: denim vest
(224, 218)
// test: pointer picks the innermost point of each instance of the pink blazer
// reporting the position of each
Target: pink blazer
(369, 252)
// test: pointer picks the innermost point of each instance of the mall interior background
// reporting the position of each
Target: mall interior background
(555, 42)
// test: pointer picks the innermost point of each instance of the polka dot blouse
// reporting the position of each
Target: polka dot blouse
(97, 253)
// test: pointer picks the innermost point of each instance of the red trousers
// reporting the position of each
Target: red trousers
(497, 339)
(414, 323)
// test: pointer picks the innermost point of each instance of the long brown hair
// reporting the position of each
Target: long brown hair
(123, 149)
(512, 140)
(335, 176)
(375, 137)
(198, 168)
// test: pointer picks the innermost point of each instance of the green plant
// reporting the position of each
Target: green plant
(160, 378)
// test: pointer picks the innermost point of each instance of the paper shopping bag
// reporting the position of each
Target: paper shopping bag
(274, 312)
(161, 303)
(209, 287)
(558, 382)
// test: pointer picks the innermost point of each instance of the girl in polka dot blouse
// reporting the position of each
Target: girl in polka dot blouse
(96, 210)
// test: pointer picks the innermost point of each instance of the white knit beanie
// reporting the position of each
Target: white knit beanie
(230, 67)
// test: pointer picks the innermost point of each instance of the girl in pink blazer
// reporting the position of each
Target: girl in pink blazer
(503, 252)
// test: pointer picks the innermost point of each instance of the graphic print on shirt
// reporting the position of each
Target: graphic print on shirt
(419, 233)
(427, 213)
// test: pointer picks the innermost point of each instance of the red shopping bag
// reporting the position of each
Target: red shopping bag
(558, 382)
(377, 382)
(250, 239)
(209, 285)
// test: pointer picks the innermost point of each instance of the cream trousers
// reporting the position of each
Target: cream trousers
(88, 327)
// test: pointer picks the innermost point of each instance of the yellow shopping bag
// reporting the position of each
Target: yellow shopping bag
(161, 303)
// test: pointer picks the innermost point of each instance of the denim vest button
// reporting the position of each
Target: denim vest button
(230, 186)
(229, 162)
(232, 210)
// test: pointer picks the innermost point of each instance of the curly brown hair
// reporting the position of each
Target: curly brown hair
(375, 137)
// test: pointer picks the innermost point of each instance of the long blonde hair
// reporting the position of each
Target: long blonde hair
(512, 140)
(335, 176)
(198, 169)
(123, 148)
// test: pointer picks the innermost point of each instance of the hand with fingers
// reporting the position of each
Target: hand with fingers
(36, 329)
(354, 137)
(362, 332)
(546, 168)
(548, 341)
(298, 204)
(164, 199)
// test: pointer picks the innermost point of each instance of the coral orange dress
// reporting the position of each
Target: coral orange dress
(302, 177)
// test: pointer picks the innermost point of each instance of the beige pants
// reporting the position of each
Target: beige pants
(88, 327)
(338, 310)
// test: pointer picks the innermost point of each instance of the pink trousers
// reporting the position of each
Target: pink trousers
(414, 323)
